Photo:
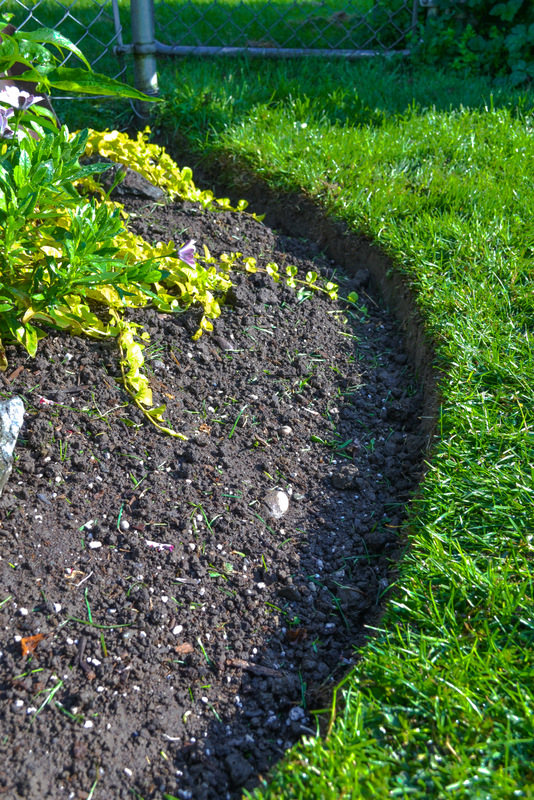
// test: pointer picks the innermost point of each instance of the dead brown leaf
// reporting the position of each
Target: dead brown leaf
(30, 643)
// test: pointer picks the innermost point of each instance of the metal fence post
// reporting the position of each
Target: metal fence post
(144, 48)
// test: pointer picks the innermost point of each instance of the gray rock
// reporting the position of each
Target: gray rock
(277, 503)
(285, 430)
(132, 182)
(11, 419)
(223, 343)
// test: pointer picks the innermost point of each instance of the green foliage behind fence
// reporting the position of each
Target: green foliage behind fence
(481, 36)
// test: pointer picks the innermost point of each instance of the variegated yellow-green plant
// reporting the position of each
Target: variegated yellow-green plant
(61, 253)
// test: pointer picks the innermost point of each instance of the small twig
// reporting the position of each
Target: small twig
(371, 299)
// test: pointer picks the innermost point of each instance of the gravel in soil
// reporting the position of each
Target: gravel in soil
(190, 669)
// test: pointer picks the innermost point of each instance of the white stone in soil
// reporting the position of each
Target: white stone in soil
(124, 525)
(277, 503)
(11, 419)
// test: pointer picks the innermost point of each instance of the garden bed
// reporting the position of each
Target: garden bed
(188, 634)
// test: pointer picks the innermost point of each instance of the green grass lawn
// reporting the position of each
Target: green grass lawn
(439, 172)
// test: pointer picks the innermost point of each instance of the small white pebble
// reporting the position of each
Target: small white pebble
(95, 545)
(128, 772)
(164, 598)
(23, 612)
(19, 703)
(31, 710)
(99, 688)
(124, 525)
(87, 724)
(177, 629)
(56, 607)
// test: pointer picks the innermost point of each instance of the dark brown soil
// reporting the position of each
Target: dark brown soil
(190, 671)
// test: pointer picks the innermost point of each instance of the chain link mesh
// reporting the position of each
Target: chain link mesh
(93, 25)
(301, 24)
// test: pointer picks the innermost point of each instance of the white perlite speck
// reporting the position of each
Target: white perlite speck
(11, 419)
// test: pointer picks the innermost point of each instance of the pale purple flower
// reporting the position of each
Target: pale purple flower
(17, 98)
(187, 253)
(5, 131)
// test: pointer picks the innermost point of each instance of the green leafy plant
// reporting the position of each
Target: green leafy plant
(477, 36)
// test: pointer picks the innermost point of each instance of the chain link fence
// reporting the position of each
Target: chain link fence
(267, 28)
(93, 25)
(356, 26)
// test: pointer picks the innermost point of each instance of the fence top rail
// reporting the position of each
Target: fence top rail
(260, 52)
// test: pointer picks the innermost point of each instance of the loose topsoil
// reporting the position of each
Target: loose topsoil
(189, 671)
